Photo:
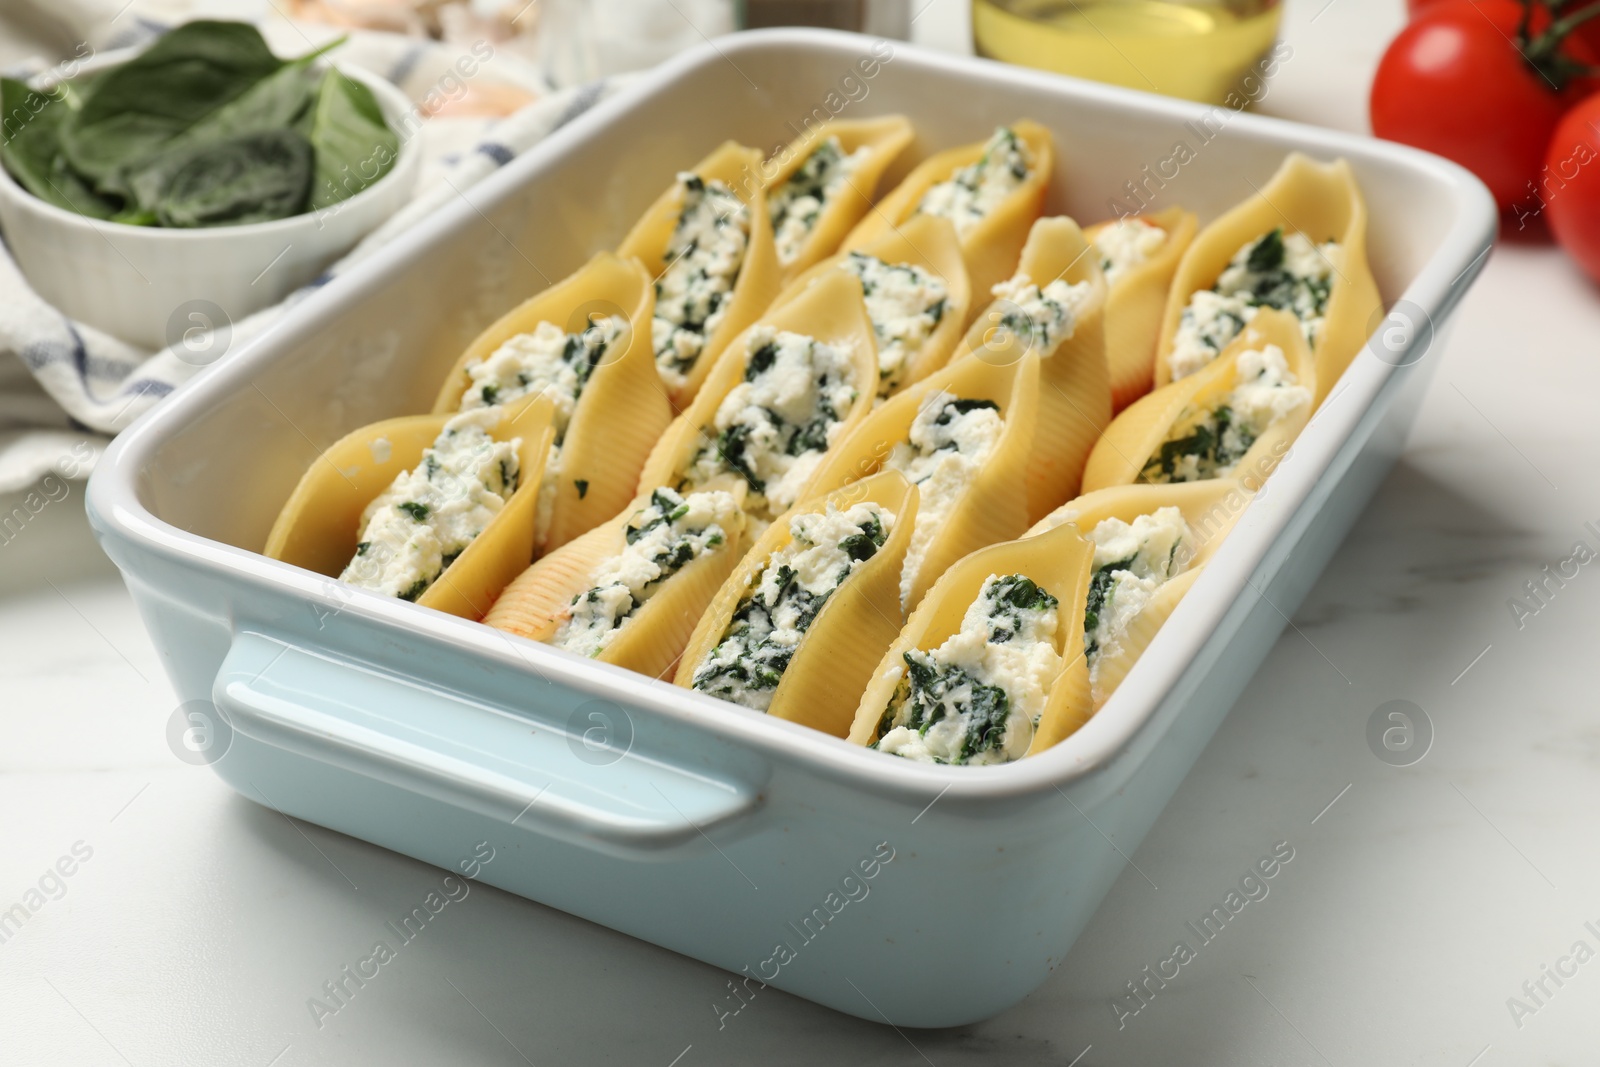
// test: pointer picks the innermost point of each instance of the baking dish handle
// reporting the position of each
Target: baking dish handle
(471, 755)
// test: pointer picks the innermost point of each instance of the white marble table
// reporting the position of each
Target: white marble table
(1418, 901)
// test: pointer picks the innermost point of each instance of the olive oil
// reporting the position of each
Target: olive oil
(1194, 50)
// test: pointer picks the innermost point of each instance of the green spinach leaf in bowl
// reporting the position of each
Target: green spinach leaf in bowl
(205, 128)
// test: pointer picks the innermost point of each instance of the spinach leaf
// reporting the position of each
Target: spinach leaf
(205, 128)
(30, 125)
(134, 109)
(30, 148)
(256, 177)
(275, 102)
(354, 147)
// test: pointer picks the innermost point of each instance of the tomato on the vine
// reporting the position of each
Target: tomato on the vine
(1589, 32)
(1570, 186)
(1483, 82)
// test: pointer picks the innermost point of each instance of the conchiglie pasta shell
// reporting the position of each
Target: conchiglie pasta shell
(832, 312)
(738, 168)
(835, 659)
(924, 241)
(650, 641)
(1058, 562)
(991, 246)
(1135, 305)
(1135, 435)
(990, 509)
(1115, 662)
(1210, 508)
(536, 601)
(623, 408)
(885, 138)
(1074, 383)
(1320, 200)
(319, 527)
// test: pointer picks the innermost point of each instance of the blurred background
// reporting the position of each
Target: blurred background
(1196, 48)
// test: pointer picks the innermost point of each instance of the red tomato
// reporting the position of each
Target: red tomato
(1569, 189)
(1457, 82)
(1588, 32)
(1417, 7)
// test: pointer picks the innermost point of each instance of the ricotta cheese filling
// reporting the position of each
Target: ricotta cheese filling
(972, 192)
(1277, 271)
(1042, 318)
(797, 203)
(703, 258)
(905, 304)
(662, 538)
(548, 362)
(772, 428)
(977, 698)
(784, 599)
(1131, 562)
(427, 517)
(949, 441)
(1126, 244)
(1211, 446)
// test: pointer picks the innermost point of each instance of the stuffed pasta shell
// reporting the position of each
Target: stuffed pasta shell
(1138, 256)
(964, 437)
(629, 592)
(1300, 246)
(786, 391)
(991, 191)
(1150, 543)
(989, 667)
(585, 344)
(1235, 418)
(915, 288)
(708, 244)
(820, 184)
(798, 627)
(1053, 306)
(437, 509)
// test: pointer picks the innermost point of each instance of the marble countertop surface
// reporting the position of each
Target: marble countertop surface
(1424, 904)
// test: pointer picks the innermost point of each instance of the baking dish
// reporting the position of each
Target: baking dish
(900, 892)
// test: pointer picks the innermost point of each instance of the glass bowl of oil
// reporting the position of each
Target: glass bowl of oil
(1185, 48)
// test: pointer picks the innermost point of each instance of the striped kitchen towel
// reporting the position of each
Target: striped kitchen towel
(63, 383)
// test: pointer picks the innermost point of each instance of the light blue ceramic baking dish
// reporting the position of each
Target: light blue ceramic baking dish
(921, 895)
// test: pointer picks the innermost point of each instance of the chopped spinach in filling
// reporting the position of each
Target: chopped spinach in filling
(428, 516)
(661, 538)
(972, 192)
(549, 363)
(1131, 562)
(771, 429)
(977, 698)
(546, 362)
(1211, 443)
(1041, 318)
(703, 258)
(797, 203)
(906, 304)
(773, 616)
(949, 441)
(1280, 271)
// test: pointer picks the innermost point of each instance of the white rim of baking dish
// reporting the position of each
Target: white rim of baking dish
(1109, 734)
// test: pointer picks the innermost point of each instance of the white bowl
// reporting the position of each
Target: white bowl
(149, 285)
